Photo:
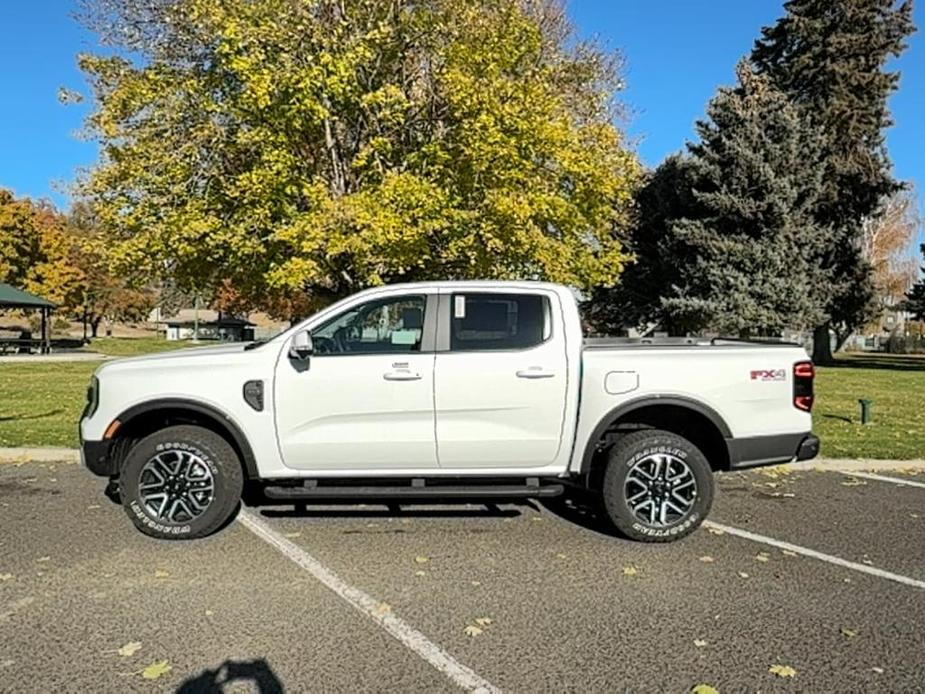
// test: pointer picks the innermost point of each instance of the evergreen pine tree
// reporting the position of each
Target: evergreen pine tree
(726, 232)
(828, 57)
(915, 299)
(747, 238)
(666, 194)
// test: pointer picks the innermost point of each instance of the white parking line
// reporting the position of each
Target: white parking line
(884, 478)
(806, 552)
(410, 637)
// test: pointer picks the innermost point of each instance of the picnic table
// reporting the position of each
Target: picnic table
(20, 345)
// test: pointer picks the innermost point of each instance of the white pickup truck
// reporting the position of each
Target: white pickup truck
(444, 391)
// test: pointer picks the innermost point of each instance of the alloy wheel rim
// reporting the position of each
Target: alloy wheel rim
(176, 487)
(660, 489)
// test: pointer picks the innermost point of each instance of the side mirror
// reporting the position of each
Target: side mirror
(301, 347)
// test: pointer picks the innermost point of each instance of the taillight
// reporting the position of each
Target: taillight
(803, 374)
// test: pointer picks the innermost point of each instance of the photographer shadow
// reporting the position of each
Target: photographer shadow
(257, 673)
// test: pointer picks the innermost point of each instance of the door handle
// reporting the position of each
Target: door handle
(535, 372)
(401, 376)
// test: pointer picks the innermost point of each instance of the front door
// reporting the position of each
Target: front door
(364, 399)
(499, 382)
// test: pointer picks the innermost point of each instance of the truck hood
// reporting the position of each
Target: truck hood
(184, 356)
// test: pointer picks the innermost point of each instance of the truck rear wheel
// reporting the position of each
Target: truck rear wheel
(658, 486)
(181, 482)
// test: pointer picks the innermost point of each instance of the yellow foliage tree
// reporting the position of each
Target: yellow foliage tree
(314, 148)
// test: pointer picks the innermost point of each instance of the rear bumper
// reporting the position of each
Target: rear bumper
(769, 450)
(95, 457)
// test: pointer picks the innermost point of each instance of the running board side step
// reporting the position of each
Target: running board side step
(415, 491)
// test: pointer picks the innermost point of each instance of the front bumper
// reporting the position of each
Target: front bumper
(771, 450)
(94, 455)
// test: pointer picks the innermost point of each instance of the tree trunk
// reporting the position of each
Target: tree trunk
(822, 345)
(95, 325)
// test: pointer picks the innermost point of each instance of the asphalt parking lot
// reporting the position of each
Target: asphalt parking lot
(517, 597)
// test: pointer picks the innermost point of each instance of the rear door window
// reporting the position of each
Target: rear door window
(485, 321)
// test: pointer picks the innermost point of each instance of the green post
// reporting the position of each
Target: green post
(866, 416)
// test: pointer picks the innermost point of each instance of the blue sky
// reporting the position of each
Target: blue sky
(677, 52)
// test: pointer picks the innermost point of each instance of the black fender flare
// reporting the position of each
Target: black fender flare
(224, 421)
(647, 401)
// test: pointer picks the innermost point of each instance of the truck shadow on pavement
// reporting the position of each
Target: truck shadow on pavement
(256, 673)
(584, 511)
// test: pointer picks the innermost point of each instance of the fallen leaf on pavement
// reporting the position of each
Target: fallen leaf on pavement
(292, 535)
(788, 553)
(762, 556)
(782, 670)
(5, 577)
(44, 559)
(92, 506)
(421, 560)
(472, 630)
(129, 649)
(420, 573)
(483, 621)
(161, 574)
(209, 613)
(383, 608)
(878, 670)
(630, 571)
(853, 482)
(706, 559)
(476, 583)
(775, 471)
(704, 689)
(716, 531)
(156, 670)
(700, 643)
(848, 633)
(742, 574)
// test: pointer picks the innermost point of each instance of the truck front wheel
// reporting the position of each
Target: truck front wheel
(181, 482)
(658, 486)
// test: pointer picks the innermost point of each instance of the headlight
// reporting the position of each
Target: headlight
(93, 397)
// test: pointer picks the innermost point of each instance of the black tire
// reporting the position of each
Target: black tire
(640, 447)
(177, 444)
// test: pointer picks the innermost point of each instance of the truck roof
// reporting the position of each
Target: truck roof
(452, 284)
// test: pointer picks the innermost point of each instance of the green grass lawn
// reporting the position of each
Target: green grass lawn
(40, 403)
(129, 346)
(896, 384)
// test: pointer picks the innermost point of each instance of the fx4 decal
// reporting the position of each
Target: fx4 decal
(769, 375)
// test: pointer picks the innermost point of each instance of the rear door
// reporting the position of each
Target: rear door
(500, 379)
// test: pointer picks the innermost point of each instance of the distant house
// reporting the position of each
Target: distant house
(224, 329)
(212, 325)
